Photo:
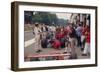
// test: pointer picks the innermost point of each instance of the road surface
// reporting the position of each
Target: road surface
(30, 48)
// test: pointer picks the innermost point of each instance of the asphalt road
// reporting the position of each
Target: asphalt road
(28, 35)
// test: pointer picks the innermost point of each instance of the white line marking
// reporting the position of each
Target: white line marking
(29, 42)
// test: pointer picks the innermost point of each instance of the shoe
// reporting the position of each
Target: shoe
(82, 49)
(84, 54)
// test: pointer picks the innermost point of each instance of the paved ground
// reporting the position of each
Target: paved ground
(29, 47)
(28, 35)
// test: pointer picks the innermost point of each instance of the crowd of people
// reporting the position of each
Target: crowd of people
(68, 37)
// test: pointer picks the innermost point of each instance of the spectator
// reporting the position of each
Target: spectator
(79, 33)
(87, 43)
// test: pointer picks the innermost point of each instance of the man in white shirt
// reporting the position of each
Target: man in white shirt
(37, 32)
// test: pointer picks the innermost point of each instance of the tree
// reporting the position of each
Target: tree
(44, 17)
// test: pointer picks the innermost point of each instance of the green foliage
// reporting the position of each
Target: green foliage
(46, 18)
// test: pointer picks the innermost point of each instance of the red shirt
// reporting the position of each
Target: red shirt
(84, 30)
(60, 35)
(88, 37)
(56, 44)
(65, 31)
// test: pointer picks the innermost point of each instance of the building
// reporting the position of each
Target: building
(75, 17)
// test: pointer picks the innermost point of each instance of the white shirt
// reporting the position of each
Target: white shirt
(37, 30)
